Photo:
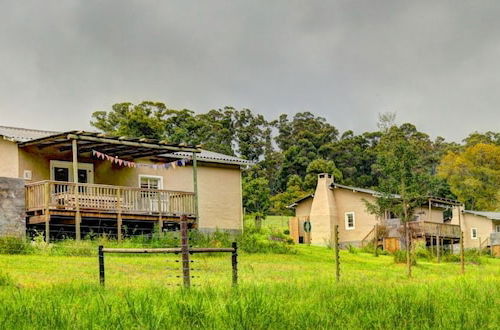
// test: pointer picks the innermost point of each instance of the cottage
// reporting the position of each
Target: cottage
(75, 183)
(439, 222)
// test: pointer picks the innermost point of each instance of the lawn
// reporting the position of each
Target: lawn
(275, 291)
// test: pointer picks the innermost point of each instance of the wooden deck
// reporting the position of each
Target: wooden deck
(65, 199)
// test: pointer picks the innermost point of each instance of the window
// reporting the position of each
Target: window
(150, 182)
(447, 214)
(349, 221)
(497, 228)
(473, 233)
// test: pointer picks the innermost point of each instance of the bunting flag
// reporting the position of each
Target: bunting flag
(126, 163)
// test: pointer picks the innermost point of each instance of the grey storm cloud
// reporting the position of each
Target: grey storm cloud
(435, 63)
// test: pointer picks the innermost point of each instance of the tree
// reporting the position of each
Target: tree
(292, 193)
(487, 138)
(405, 180)
(256, 196)
(386, 120)
(316, 167)
(474, 176)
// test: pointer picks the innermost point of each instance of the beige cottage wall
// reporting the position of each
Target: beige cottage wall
(303, 209)
(436, 215)
(220, 198)
(9, 164)
(349, 201)
(483, 225)
(219, 186)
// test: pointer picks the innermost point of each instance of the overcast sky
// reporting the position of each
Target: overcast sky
(435, 63)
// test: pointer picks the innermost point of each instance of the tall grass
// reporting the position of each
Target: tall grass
(446, 305)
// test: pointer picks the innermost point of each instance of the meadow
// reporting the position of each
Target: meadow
(278, 291)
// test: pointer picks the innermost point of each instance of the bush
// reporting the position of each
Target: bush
(400, 257)
(6, 279)
(14, 245)
(422, 252)
(352, 249)
(265, 241)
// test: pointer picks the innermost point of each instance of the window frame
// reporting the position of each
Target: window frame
(497, 228)
(147, 176)
(472, 230)
(346, 220)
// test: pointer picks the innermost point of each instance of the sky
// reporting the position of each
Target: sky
(435, 63)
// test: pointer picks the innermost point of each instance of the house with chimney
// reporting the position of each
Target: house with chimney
(439, 222)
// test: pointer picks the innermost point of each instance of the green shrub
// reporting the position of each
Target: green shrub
(352, 249)
(400, 257)
(265, 241)
(6, 279)
(69, 247)
(14, 245)
(422, 252)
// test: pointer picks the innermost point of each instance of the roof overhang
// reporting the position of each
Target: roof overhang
(123, 147)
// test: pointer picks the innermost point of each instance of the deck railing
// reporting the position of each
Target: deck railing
(427, 228)
(436, 229)
(107, 198)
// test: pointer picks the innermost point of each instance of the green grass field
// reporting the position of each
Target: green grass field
(276, 291)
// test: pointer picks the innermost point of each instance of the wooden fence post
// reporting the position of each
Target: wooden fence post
(337, 255)
(101, 265)
(185, 252)
(234, 260)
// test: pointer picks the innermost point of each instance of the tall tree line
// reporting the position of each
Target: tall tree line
(290, 151)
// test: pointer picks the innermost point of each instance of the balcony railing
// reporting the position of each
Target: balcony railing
(436, 229)
(105, 198)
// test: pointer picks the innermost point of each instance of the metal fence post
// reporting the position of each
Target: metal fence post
(185, 252)
(101, 265)
(337, 255)
(234, 259)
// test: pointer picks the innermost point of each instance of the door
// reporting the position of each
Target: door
(63, 171)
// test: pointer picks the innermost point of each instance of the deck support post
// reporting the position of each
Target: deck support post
(431, 238)
(438, 248)
(47, 211)
(78, 218)
(195, 185)
(119, 219)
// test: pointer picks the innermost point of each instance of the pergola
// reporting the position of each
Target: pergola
(84, 143)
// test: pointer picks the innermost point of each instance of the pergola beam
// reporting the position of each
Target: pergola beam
(131, 143)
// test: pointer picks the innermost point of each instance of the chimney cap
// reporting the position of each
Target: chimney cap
(324, 175)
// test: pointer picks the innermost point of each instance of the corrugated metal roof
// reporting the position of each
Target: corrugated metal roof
(21, 135)
(210, 156)
(16, 134)
(487, 214)
(363, 190)
(294, 204)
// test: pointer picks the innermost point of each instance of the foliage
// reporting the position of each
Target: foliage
(256, 196)
(274, 292)
(300, 146)
(293, 192)
(14, 245)
(400, 257)
(474, 175)
(265, 240)
(6, 279)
